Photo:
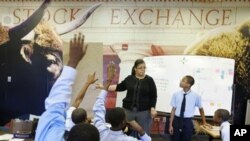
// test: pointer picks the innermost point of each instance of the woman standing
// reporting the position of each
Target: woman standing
(141, 96)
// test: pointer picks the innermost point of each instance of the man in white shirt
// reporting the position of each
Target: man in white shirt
(221, 117)
(116, 117)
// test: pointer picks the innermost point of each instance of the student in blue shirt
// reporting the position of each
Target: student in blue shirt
(76, 114)
(51, 125)
(181, 125)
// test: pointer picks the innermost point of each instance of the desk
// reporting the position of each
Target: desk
(214, 132)
(6, 135)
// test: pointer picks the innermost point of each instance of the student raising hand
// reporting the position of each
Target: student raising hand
(77, 50)
(110, 75)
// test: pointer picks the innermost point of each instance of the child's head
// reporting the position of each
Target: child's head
(79, 115)
(187, 81)
(117, 117)
(83, 132)
(221, 115)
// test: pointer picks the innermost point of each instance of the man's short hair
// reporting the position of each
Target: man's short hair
(79, 115)
(116, 116)
(223, 114)
(190, 79)
(83, 132)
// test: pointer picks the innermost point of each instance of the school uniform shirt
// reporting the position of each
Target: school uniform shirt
(69, 123)
(51, 125)
(225, 131)
(192, 100)
(99, 122)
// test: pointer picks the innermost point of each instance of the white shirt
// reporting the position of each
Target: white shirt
(225, 131)
(99, 121)
(69, 123)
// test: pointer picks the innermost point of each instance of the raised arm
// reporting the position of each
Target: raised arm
(99, 107)
(91, 79)
(77, 50)
(51, 124)
(111, 88)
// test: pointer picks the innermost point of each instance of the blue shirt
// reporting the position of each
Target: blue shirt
(99, 121)
(51, 125)
(192, 100)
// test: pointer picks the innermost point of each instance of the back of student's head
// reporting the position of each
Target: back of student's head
(83, 132)
(223, 114)
(190, 80)
(116, 116)
(79, 115)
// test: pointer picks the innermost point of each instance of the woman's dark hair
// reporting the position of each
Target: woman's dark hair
(137, 63)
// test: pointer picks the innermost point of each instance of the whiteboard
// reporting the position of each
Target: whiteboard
(213, 79)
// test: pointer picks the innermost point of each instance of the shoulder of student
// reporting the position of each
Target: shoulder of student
(195, 93)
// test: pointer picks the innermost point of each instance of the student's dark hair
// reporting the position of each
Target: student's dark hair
(137, 63)
(83, 132)
(190, 79)
(116, 116)
(223, 114)
(79, 115)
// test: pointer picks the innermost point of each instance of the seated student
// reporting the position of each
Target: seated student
(116, 117)
(221, 117)
(83, 132)
(74, 113)
(51, 125)
(77, 116)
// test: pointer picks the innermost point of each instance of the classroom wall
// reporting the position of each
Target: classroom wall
(124, 30)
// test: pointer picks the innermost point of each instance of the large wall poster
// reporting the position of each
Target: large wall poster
(31, 57)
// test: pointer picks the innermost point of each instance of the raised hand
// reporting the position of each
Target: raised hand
(91, 78)
(110, 75)
(99, 86)
(77, 50)
(110, 71)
